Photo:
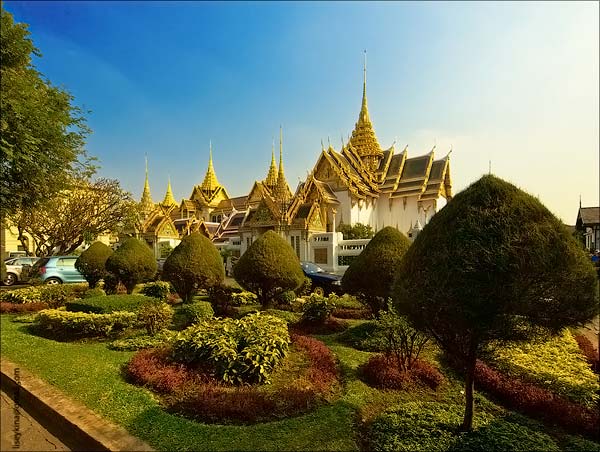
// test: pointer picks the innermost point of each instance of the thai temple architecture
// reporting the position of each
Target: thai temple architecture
(358, 183)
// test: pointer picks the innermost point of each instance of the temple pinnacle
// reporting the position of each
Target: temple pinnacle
(271, 179)
(169, 198)
(210, 182)
(146, 202)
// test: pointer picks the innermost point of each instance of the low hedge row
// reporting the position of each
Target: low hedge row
(53, 295)
(242, 350)
(142, 342)
(61, 324)
(381, 371)
(108, 303)
(187, 314)
(11, 308)
(538, 402)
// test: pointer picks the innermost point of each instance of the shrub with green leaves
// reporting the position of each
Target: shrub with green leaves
(67, 325)
(194, 264)
(130, 344)
(105, 304)
(317, 309)
(157, 289)
(268, 268)
(53, 295)
(243, 298)
(93, 293)
(155, 315)
(92, 263)
(555, 364)
(287, 298)
(288, 316)
(370, 276)
(132, 263)
(240, 351)
(367, 336)
(190, 313)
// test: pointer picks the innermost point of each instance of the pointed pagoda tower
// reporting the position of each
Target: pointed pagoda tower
(146, 203)
(363, 139)
(169, 198)
(271, 180)
(282, 191)
(210, 184)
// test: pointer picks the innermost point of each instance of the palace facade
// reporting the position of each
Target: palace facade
(359, 183)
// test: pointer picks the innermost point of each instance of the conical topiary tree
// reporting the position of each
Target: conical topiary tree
(133, 262)
(371, 274)
(268, 268)
(194, 264)
(493, 265)
(91, 263)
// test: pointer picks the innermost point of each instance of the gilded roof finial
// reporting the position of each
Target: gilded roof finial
(210, 182)
(271, 179)
(146, 202)
(281, 153)
(283, 189)
(169, 198)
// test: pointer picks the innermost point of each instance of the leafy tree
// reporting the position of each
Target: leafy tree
(91, 263)
(358, 231)
(268, 268)
(194, 264)
(42, 132)
(494, 265)
(371, 274)
(64, 221)
(133, 262)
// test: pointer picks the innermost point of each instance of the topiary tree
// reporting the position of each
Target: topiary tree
(268, 268)
(91, 263)
(370, 276)
(133, 262)
(493, 265)
(194, 264)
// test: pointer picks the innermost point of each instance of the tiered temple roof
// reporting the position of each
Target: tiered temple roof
(169, 199)
(146, 203)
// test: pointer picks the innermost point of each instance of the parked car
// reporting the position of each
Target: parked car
(17, 269)
(323, 282)
(57, 270)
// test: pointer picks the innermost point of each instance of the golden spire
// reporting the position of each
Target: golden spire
(363, 138)
(146, 202)
(271, 179)
(210, 182)
(169, 199)
(283, 189)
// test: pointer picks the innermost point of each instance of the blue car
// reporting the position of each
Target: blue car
(323, 283)
(57, 270)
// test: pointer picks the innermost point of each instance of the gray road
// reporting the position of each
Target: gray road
(19, 431)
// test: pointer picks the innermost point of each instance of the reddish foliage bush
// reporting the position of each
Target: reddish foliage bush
(195, 394)
(331, 325)
(346, 313)
(8, 308)
(382, 371)
(535, 401)
(591, 354)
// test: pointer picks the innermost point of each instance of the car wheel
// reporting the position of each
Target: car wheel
(319, 291)
(52, 281)
(10, 279)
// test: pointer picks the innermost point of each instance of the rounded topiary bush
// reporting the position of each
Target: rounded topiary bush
(132, 263)
(194, 264)
(92, 263)
(268, 268)
(371, 274)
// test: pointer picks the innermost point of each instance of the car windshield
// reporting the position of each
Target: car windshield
(309, 267)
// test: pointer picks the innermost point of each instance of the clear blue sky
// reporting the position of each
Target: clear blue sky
(514, 83)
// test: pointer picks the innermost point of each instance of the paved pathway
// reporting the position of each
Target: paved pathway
(21, 432)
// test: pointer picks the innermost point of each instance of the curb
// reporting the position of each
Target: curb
(74, 424)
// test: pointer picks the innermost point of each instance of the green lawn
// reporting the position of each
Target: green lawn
(91, 373)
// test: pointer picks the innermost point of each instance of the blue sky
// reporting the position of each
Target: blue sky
(514, 83)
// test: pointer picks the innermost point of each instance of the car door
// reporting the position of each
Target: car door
(67, 271)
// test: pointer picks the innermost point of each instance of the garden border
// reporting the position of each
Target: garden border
(64, 417)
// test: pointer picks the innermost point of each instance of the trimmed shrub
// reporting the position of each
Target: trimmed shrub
(113, 286)
(142, 342)
(221, 299)
(66, 325)
(155, 368)
(190, 313)
(240, 351)
(155, 315)
(382, 371)
(194, 264)
(132, 263)
(242, 298)
(371, 274)
(288, 316)
(91, 263)
(344, 313)
(268, 268)
(11, 308)
(287, 298)
(367, 336)
(589, 351)
(93, 293)
(157, 289)
(317, 309)
(54, 296)
(108, 303)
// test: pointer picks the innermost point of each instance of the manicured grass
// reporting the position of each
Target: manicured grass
(91, 373)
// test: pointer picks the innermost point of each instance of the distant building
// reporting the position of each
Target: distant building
(588, 223)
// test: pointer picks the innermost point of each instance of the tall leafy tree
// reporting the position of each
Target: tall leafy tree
(42, 133)
(494, 265)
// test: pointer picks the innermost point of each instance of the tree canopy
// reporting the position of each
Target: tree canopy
(132, 263)
(358, 231)
(371, 273)
(494, 265)
(42, 132)
(91, 263)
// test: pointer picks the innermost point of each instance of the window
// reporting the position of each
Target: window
(66, 262)
(296, 244)
(321, 256)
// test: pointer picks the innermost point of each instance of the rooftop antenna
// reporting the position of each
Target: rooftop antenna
(580, 200)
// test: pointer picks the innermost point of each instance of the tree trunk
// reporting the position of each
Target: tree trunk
(467, 423)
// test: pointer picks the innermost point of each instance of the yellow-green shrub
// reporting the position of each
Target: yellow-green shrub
(65, 324)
